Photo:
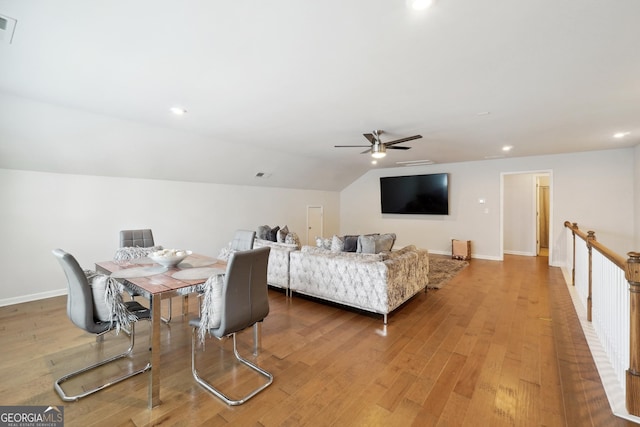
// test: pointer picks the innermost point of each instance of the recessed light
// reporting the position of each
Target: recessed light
(374, 162)
(178, 111)
(621, 134)
(419, 4)
(507, 148)
(483, 113)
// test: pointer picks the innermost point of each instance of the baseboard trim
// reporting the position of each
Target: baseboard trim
(448, 253)
(520, 253)
(32, 297)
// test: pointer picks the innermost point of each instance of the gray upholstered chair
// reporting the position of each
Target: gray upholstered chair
(244, 302)
(80, 309)
(243, 240)
(136, 238)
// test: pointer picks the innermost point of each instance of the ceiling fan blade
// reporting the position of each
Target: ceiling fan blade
(366, 151)
(398, 148)
(398, 141)
(342, 146)
(370, 137)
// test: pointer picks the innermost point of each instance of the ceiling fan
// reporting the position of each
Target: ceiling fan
(378, 149)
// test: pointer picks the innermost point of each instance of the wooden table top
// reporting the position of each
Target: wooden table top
(163, 281)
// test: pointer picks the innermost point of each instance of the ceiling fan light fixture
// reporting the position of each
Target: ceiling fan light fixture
(378, 151)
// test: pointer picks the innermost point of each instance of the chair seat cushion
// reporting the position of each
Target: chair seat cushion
(138, 309)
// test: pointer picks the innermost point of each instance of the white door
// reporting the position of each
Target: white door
(314, 224)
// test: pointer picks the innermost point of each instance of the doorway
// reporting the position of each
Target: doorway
(526, 216)
(542, 229)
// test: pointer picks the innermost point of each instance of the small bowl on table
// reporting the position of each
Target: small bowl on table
(169, 257)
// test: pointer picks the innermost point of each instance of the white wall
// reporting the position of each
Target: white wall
(593, 189)
(637, 198)
(84, 214)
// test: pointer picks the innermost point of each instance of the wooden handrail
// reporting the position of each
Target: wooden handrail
(618, 260)
(631, 267)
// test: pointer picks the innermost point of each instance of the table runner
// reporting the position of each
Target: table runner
(138, 272)
(197, 273)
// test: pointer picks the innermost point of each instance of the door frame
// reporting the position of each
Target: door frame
(534, 225)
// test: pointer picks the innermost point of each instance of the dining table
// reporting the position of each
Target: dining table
(156, 282)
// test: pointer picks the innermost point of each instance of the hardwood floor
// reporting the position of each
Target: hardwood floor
(499, 345)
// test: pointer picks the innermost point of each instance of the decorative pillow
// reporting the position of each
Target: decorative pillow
(337, 244)
(263, 232)
(282, 234)
(273, 234)
(292, 238)
(323, 243)
(366, 244)
(358, 248)
(350, 243)
(385, 242)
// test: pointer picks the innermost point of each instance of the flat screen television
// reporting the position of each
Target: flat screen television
(415, 194)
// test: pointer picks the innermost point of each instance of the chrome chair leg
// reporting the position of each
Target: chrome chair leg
(218, 393)
(59, 381)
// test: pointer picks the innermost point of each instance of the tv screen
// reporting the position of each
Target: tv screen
(415, 194)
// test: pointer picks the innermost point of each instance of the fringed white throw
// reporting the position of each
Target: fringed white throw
(107, 300)
(211, 309)
(131, 253)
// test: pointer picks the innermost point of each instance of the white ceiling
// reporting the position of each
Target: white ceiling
(272, 86)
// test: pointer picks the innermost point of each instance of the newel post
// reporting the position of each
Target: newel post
(632, 275)
(591, 236)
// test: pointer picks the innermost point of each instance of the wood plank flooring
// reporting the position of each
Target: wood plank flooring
(499, 345)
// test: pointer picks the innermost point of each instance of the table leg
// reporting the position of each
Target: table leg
(185, 305)
(154, 375)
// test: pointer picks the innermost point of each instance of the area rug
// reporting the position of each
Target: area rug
(441, 270)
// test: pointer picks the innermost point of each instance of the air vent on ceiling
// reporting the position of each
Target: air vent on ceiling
(416, 162)
(7, 28)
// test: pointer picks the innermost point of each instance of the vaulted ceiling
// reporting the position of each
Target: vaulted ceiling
(86, 86)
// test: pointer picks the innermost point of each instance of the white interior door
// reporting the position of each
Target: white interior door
(314, 223)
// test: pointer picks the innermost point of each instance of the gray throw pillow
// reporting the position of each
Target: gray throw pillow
(263, 232)
(367, 244)
(384, 242)
(273, 234)
(350, 243)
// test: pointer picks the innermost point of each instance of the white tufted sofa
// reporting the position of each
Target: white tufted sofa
(373, 282)
(278, 268)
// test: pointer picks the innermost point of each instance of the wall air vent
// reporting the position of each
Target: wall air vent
(7, 28)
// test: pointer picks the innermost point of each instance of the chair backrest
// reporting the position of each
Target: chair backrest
(243, 240)
(80, 297)
(136, 238)
(244, 293)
